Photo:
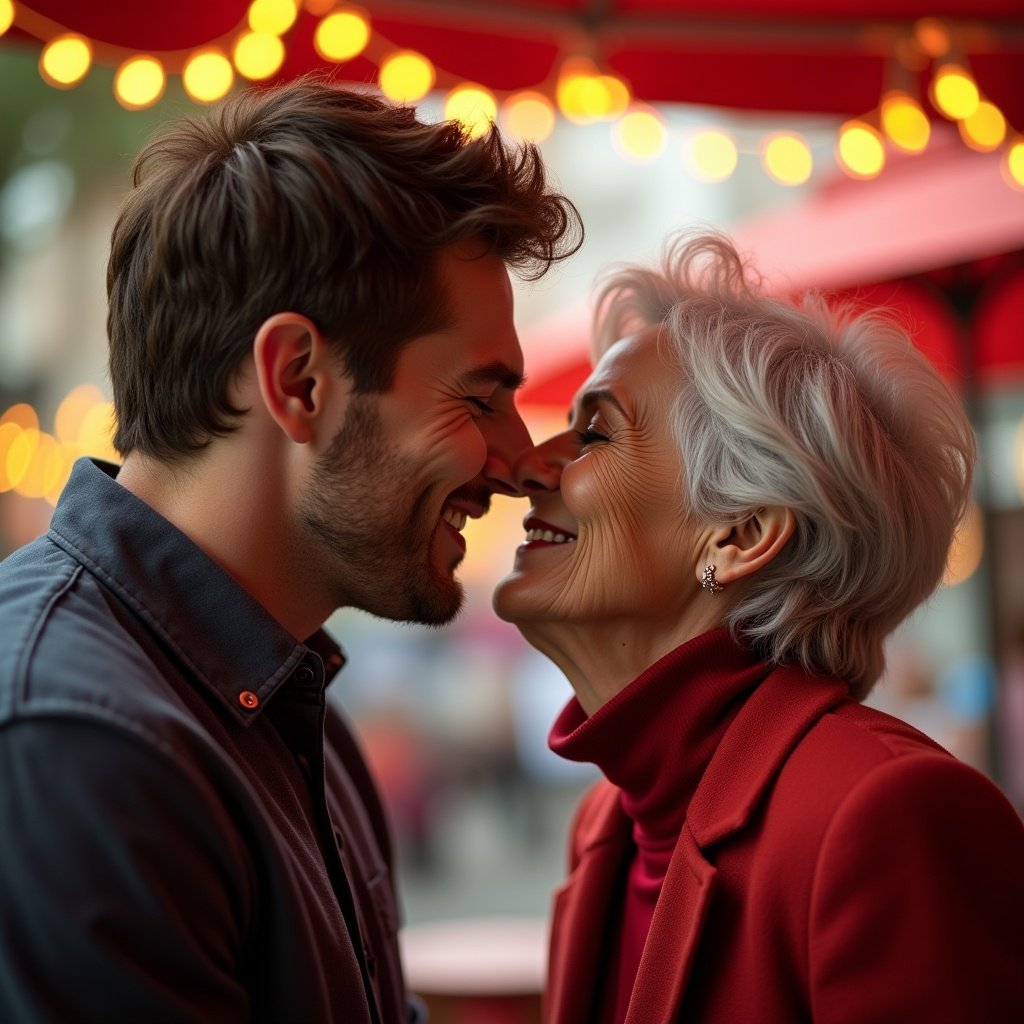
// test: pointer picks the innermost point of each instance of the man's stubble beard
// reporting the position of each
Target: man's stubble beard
(376, 542)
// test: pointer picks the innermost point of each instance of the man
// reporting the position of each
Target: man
(313, 363)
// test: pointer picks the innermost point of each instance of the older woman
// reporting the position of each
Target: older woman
(750, 497)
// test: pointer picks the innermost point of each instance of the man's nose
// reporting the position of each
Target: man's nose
(507, 439)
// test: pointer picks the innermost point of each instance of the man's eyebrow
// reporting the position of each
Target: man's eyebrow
(495, 373)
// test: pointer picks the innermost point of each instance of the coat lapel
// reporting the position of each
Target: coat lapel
(785, 705)
(579, 925)
(674, 936)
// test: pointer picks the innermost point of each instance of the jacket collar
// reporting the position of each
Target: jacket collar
(771, 723)
(219, 633)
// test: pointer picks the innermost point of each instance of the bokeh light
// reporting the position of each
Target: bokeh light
(473, 106)
(406, 76)
(65, 60)
(23, 415)
(905, 122)
(585, 94)
(1013, 164)
(954, 92)
(258, 55)
(342, 35)
(711, 155)
(528, 115)
(6, 15)
(139, 82)
(67, 423)
(274, 16)
(787, 159)
(985, 129)
(860, 150)
(208, 76)
(96, 432)
(640, 135)
(932, 36)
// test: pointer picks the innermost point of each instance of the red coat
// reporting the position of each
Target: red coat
(836, 866)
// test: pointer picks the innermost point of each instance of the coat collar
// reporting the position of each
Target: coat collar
(779, 712)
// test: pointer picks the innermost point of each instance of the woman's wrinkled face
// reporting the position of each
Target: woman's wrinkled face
(605, 534)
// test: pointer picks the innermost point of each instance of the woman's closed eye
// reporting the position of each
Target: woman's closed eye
(589, 436)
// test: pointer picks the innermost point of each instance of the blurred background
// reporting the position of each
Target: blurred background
(870, 149)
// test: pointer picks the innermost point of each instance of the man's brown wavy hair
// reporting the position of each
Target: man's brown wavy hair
(308, 198)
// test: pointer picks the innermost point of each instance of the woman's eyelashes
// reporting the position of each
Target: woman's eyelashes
(593, 433)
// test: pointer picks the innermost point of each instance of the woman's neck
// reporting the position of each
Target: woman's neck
(600, 658)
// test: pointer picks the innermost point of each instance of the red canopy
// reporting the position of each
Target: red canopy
(784, 55)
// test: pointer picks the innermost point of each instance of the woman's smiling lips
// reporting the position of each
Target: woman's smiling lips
(541, 534)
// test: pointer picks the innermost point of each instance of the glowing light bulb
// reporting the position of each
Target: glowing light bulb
(639, 136)
(342, 35)
(258, 55)
(953, 92)
(860, 150)
(787, 159)
(6, 15)
(473, 106)
(139, 82)
(985, 129)
(208, 76)
(528, 115)
(904, 122)
(581, 95)
(711, 155)
(1013, 164)
(932, 36)
(274, 16)
(65, 60)
(406, 76)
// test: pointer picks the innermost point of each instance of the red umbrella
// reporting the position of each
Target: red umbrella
(783, 55)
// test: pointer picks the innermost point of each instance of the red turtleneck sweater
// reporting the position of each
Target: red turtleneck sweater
(654, 740)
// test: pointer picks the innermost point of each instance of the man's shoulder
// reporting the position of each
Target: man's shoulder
(67, 645)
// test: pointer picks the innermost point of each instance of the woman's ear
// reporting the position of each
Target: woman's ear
(739, 550)
(296, 375)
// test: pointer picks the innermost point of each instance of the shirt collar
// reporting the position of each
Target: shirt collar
(220, 633)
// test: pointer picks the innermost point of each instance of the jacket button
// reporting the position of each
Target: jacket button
(248, 700)
(304, 675)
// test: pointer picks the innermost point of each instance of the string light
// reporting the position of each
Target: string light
(860, 150)
(787, 159)
(584, 92)
(473, 106)
(985, 129)
(208, 76)
(65, 60)
(273, 16)
(258, 55)
(528, 115)
(711, 155)
(342, 35)
(905, 124)
(954, 92)
(639, 136)
(1013, 164)
(139, 82)
(406, 76)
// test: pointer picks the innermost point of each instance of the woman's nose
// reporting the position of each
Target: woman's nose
(539, 468)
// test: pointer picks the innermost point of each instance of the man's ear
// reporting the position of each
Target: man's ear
(296, 374)
(737, 551)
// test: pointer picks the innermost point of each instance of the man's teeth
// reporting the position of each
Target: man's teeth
(549, 535)
(453, 517)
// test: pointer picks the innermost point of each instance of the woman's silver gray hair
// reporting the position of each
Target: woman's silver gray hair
(830, 413)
